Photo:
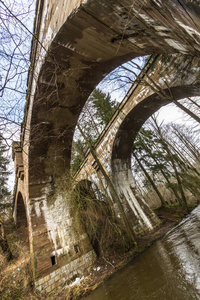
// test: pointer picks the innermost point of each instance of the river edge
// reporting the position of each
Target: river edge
(104, 269)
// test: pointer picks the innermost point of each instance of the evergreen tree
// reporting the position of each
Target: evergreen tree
(105, 107)
(168, 152)
(4, 173)
(78, 154)
(94, 117)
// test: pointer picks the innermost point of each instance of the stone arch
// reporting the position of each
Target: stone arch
(81, 47)
(81, 52)
(122, 147)
(21, 218)
(137, 117)
(93, 210)
(90, 185)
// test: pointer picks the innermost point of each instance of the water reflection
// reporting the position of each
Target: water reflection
(169, 270)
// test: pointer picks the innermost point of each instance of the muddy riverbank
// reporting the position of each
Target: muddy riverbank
(105, 267)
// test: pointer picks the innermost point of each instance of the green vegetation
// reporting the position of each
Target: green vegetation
(168, 156)
(95, 116)
(4, 173)
(104, 106)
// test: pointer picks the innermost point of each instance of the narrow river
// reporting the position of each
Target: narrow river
(169, 270)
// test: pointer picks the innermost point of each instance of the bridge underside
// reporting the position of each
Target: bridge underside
(179, 74)
(94, 39)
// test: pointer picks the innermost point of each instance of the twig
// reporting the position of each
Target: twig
(108, 262)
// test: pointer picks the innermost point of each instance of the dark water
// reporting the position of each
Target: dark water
(169, 270)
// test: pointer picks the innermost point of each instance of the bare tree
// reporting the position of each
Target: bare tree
(16, 20)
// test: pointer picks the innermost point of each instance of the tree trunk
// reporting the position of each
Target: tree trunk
(193, 102)
(172, 162)
(93, 121)
(188, 145)
(187, 111)
(113, 192)
(149, 179)
(4, 244)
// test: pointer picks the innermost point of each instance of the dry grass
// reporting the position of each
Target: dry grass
(2, 260)
(15, 275)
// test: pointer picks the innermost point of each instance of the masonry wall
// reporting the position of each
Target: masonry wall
(179, 71)
(78, 45)
(66, 274)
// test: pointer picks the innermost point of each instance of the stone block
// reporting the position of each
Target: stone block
(53, 274)
(55, 285)
(40, 281)
(49, 289)
(57, 277)
(62, 269)
(39, 288)
(62, 280)
(36, 284)
(51, 281)
(57, 272)
(47, 278)
(45, 284)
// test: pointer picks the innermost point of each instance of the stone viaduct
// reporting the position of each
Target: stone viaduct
(76, 44)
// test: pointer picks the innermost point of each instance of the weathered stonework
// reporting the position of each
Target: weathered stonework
(77, 43)
(63, 275)
(180, 73)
